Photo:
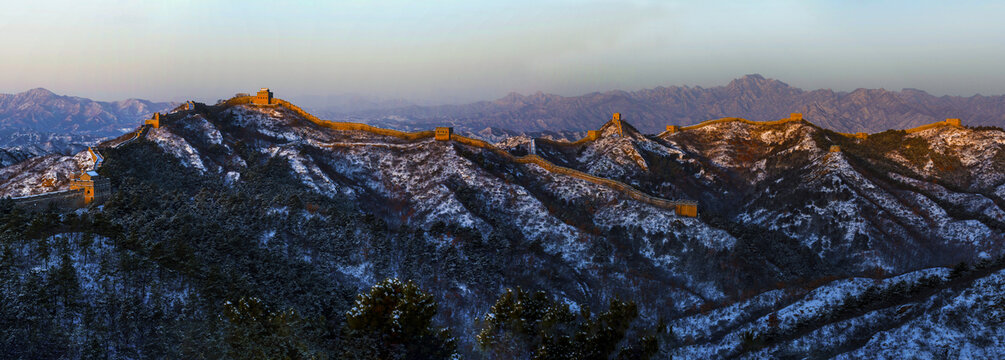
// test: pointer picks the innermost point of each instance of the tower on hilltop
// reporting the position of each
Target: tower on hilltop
(264, 97)
(616, 118)
(443, 133)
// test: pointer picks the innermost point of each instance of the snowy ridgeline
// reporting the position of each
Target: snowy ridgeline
(955, 322)
(776, 208)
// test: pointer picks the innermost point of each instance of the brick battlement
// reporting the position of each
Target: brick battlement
(947, 122)
(742, 120)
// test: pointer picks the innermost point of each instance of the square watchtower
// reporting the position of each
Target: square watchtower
(95, 187)
(263, 97)
(443, 133)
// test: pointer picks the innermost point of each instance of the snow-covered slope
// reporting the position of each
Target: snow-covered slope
(778, 214)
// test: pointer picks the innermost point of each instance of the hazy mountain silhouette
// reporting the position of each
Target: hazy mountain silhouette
(42, 110)
(752, 96)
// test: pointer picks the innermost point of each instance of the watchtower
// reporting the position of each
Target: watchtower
(443, 133)
(796, 116)
(835, 148)
(616, 119)
(95, 188)
(685, 209)
(264, 97)
(672, 129)
(154, 121)
(861, 135)
(592, 134)
(954, 122)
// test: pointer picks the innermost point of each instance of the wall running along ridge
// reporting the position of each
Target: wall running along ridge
(81, 192)
(76, 197)
(860, 135)
(681, 207)
(745, 121)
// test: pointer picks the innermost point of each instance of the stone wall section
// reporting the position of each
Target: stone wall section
(683, 208)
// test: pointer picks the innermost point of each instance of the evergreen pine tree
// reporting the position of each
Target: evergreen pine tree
(396, 318)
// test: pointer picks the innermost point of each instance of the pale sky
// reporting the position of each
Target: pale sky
(459, 51)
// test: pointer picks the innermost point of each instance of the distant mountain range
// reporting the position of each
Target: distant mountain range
(650, 110)
(40, 110)
(752, 96)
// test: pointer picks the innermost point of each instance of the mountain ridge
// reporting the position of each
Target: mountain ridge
(754, 96)
(841, 246)
(42, 110)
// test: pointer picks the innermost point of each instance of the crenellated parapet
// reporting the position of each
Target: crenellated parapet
(61, 200)
(673, 129)
(953, 122)
(948, 122)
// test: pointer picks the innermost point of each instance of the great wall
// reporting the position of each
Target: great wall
(681, 207)
(90, 188)
(798, 117)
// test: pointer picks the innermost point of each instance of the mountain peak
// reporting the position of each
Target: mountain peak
(39, 109)
(515, 98)
(620, 127)
(755, 81)
(39, 92)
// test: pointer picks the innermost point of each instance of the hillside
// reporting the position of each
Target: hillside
(651, 110)
(796, 248)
